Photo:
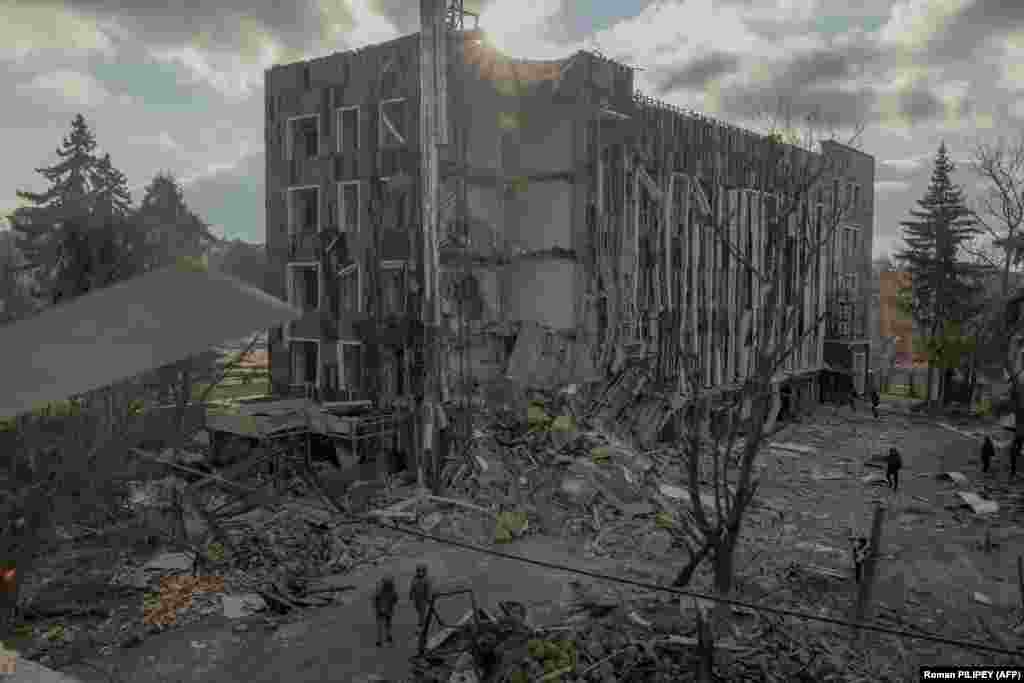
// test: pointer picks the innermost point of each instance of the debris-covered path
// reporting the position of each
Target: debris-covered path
(338, 643)
(816, 488)
(934, 572)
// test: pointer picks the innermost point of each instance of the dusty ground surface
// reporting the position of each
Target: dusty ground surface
(932, 567)
(933, 561)
(337, 643)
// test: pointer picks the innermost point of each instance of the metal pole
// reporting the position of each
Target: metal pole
(870, 565)
(433, 132)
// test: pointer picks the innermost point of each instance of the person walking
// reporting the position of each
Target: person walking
(421, 593)
(384, 601)
(893, 465)
(988, 451)
(860, 554)
(1014, 454)
(875, 400)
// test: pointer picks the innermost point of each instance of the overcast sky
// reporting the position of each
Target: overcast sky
(178, 85)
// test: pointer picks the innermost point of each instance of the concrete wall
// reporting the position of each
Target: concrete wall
(540, 290)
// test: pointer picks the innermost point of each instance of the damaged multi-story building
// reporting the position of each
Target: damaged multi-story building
(576, 225)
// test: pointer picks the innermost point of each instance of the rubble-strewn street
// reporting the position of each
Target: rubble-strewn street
(581, 499)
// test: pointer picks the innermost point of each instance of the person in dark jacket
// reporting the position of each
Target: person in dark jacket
(875, 400)
(1014, 454)
(384, 601)
(421, 592)
(860, 555)
(893, 465)
(988, 451)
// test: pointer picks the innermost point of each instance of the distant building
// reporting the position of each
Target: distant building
(892, 322)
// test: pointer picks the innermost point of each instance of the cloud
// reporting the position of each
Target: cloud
(890, 186)
(162, 140)
(697, 73)
(908, 166)
(229, 44)
(31, 28)
(230, 74)
(69, 89)
(230, 25)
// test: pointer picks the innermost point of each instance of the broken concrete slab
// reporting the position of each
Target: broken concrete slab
(827, 476)
(240, 606)
(978, 505)
(170, 562)
(673, 492)
(577, 490)
(982, 599)
(873, 479)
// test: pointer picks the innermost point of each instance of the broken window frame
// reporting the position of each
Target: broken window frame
(386, 125)
(340, 114)
(390, 266)
(292, 284)
(344, 273)
(343, 384)
(290, 134)
(293, 226)
(314, 343)
(343, 225)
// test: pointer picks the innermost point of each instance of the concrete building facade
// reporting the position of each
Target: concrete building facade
(579, 229)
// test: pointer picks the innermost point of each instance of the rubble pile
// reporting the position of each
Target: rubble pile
(564, 473)
(639, 640)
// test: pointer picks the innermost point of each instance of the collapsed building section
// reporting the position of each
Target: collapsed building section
(581, 227)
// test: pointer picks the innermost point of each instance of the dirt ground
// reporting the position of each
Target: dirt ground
(933, 559)
(933, 564)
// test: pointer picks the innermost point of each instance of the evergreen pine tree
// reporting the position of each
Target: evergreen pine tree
(172, 229)
(945, 286)
(73, 233)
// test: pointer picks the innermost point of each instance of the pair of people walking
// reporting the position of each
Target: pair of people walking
(385, 599)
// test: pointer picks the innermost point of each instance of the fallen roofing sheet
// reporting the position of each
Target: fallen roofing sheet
(979, 505)
(119, 331)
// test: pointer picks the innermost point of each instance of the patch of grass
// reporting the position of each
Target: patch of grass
(229, 392)
(983, 408)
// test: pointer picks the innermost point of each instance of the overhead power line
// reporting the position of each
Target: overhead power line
(780, 611)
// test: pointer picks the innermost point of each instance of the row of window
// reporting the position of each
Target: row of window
(302, 133)
(303, 207)
(344, 374)
(304, 288)
(343, 212)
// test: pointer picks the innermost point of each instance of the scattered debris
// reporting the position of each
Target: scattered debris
(955, 477)
(979, 505)
(981, 598)
(793, 448)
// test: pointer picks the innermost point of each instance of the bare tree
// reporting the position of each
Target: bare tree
(724, 435)
(1000, 212)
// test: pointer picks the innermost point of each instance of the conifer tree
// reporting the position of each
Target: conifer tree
(945, 286)
(172, 229)
(74, 233)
